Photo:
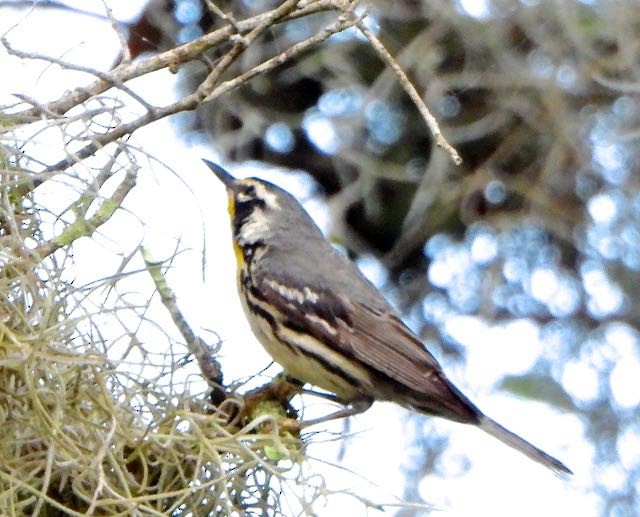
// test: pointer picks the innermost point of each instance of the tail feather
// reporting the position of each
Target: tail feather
(520, 444)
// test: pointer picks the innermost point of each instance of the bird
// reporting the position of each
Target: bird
(320, 318)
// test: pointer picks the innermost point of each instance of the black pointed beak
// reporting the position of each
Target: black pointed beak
(227, 179)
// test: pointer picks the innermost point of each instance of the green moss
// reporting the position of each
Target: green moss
(83, 227)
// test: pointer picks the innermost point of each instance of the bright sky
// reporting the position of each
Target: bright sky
(500, 481)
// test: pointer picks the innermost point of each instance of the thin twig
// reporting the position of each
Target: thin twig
(104, 76)
(410, 89)
(175, 56)
(204, 354)
(81, 206)
(286, 55)
(192, 101)
(225, 16)
(214, 76)
(82, 227)
(115, 25)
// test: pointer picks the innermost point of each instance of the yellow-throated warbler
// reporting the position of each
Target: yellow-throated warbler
(327, 325)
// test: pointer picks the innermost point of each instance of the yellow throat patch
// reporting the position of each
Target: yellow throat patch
(237, 250)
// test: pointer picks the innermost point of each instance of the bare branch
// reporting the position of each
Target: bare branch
(82, 227)
(204, 91)
(286, 55)
(204, 354)
(207, 85)
(171, 58)
(115, 25)
(106, 77)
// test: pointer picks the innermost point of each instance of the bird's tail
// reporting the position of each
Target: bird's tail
(519, 444)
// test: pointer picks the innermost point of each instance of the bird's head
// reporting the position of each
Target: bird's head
(261, 211)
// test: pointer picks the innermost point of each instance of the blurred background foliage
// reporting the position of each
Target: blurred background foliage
(539, 226)
(541, 99)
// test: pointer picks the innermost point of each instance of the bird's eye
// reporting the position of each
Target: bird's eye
(246, 193)
(249, 194)
(249, 191)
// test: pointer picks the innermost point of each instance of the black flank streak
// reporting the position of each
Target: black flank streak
(265, 315)
(290, 324)
(260, 312)
(327, 365)
(257, 293)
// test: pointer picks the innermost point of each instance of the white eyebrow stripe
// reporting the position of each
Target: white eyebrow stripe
(263, 193)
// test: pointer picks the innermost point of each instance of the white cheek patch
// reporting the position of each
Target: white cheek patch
(254, 228)
(257, 225)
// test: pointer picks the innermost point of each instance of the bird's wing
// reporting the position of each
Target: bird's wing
(381, 340)
(376, 338)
